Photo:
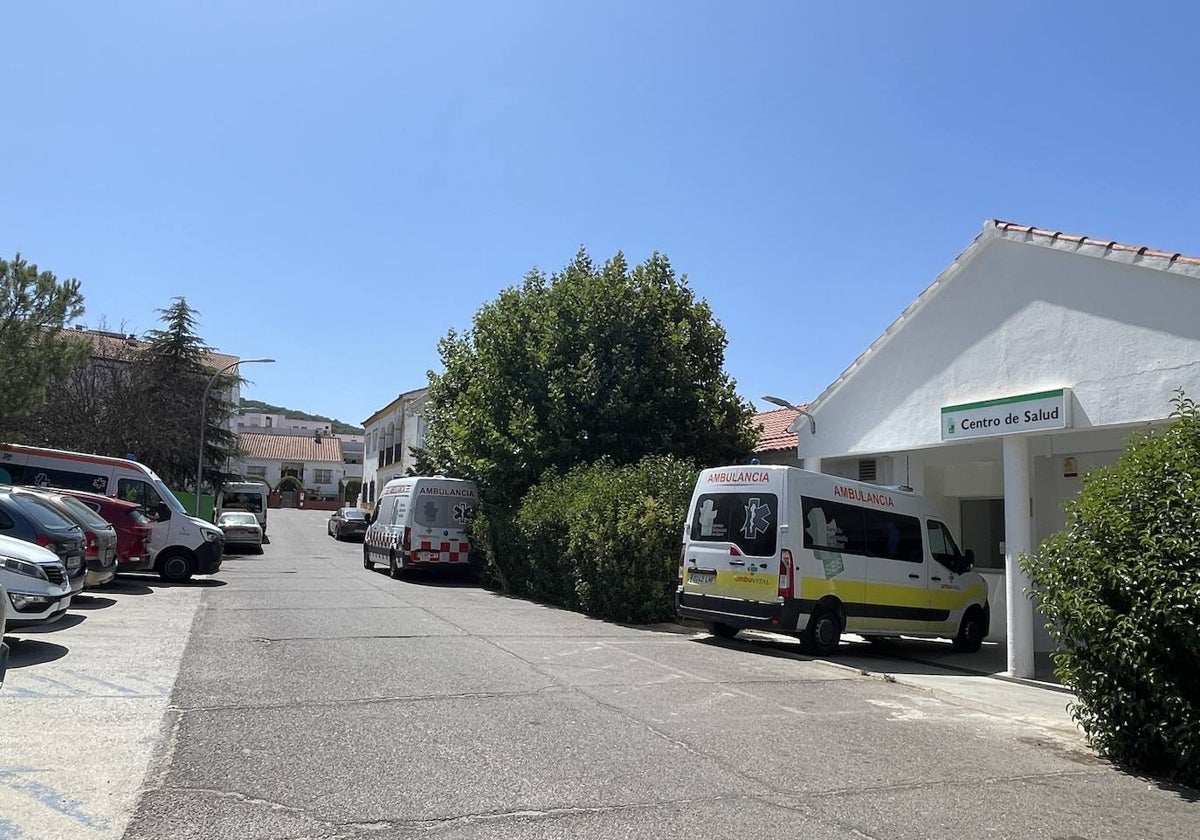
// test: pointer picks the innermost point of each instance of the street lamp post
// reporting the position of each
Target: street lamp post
(782, 403)
(204, 409)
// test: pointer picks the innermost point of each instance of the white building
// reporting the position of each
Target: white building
(1026, 363)
(256, 420)
(316, 460)
(390, 436)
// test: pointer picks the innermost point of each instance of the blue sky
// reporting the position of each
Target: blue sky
(338, 184)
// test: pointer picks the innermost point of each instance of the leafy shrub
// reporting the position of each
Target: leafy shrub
(601, 539)
(1121, 590)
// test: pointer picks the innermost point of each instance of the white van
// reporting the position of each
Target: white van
(420, 521)
(181, 545)
(783, 549)
(250, 496)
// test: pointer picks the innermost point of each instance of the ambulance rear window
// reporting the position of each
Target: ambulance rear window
(442, 511)
(748, 520)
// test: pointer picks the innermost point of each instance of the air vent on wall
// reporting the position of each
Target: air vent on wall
(866, 469)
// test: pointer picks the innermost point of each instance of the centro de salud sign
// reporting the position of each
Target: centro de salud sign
(1008, 415)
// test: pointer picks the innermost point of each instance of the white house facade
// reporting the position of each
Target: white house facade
(1027, 363)
(390, 435)
(316, 460)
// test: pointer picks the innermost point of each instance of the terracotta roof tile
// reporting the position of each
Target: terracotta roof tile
(773, 434)
(290, 447)
(1080, 239)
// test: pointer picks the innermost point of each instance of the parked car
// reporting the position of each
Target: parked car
(3, 623)
(243, 495)
(241, 528)
(347, 522)
(100, 537)
(26, 517)
(133, 528)
(38, 591)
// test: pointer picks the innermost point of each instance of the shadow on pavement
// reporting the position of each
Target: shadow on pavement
(144, 585)
(65, 623)
(460, 577)
(128, 586)
(896, 656)
(91, 602)
(25, 652)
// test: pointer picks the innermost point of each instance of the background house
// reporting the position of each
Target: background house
(313, 458)
(776, 445)
(390, 436)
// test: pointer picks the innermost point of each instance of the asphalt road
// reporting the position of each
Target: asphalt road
(316, 699)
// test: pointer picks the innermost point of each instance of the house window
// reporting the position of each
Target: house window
(257, 472)
(323, 476)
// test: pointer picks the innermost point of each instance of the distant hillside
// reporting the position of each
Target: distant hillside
(339, 428)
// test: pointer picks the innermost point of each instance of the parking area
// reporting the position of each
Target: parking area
(82, 705)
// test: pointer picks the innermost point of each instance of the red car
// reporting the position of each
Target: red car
(133, 528)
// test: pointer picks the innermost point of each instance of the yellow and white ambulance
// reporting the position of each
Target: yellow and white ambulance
(792, 551)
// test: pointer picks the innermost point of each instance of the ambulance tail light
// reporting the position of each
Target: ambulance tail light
(682, 553)
(787, 588)
(406, 540)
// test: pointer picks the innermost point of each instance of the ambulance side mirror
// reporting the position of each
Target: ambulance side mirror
(968, 560)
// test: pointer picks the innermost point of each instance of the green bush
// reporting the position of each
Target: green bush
(1121, 590)
(601, 539)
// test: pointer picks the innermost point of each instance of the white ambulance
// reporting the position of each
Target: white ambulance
(787, 550)
(181, 545)
(420, 521)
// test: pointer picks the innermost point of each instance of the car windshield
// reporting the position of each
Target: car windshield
(41, 512)
(237, 519)
(168, 497)
(85, 514)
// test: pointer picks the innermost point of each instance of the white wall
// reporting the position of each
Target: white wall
(1015, 319)
(408, 422)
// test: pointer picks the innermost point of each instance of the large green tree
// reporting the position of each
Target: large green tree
(594, 361)
(168, 380)
(35, 306)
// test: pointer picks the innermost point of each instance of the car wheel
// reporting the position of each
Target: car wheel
(723, 631)
(367, 564)
(824, 631)
(175, 567)
(393, 569)
(970, 632)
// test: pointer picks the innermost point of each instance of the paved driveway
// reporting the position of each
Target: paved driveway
(319, 700)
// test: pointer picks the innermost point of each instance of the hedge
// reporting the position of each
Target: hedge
(1120, 588)
(602, 539)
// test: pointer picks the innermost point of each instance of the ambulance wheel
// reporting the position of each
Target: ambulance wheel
(970, 632)
(175, 567)
(393, 567)
(367, 564)
(824, 631)
(722, 631)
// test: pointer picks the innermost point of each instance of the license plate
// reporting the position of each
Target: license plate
(427, 556)
(702, 577)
